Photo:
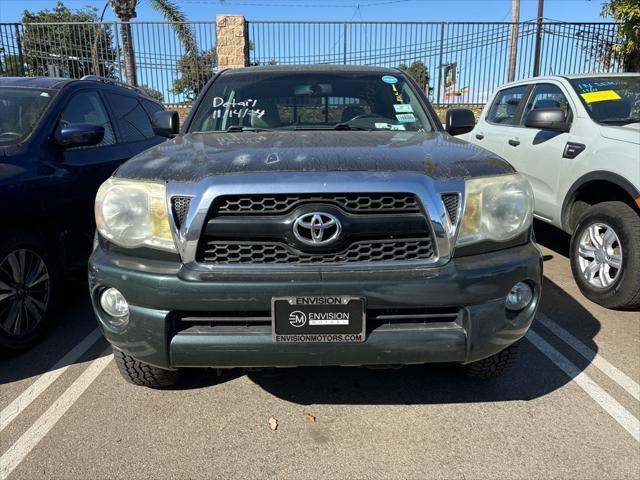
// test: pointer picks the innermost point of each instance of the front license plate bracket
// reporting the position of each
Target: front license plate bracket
(331, 319)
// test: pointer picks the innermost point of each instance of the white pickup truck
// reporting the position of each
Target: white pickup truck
(577, 139)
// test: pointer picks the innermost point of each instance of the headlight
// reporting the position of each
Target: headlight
(134, 214)
(496, 209)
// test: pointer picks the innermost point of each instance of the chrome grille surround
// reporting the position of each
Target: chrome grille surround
(204, 193)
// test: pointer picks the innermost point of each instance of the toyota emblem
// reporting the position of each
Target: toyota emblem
(317, 228)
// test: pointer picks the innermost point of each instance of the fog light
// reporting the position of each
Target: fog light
(114, 304)
(519, 297)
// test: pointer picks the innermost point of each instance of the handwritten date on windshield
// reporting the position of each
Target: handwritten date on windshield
(236, 108)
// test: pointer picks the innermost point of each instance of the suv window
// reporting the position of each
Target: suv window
(506, 105)
(151, 107)
(546, 95)
(132, 120)
(87, 107)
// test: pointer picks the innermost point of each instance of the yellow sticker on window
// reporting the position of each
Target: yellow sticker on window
(602, 96)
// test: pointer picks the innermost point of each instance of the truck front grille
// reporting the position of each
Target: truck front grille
(379, 203)
(451, 202)
(278, 253)
(259, 229)
(180, 207)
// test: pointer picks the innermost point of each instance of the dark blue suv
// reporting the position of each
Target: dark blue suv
(59, 140)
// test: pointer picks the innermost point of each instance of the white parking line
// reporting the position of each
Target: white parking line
(19, 450)
(595, 391)
(11, 411)
(603, 365)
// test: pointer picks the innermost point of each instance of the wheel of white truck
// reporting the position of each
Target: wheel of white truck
(605, 255)
(140, 373)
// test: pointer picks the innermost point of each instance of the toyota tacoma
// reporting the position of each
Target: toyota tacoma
(311, 216)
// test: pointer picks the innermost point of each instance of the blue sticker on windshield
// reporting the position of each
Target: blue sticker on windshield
(389, 79)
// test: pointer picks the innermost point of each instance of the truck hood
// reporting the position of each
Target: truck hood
(624, 133)
(192, 157)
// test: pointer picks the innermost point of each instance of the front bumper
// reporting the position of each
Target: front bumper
(157, 291)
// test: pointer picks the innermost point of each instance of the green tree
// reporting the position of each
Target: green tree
(64, 42)
(627, 14)
(152, 92)
(271, 61)
(10, 66)
(125, 10)
(419, 71)
(195, 71)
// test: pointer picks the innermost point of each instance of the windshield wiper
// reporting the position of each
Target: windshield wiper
(621, 121)
(238, 128)
(346, 126)
(338, 126)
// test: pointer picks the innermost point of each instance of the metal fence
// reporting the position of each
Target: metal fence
(461, 63)
(163, 67)
(464, 61)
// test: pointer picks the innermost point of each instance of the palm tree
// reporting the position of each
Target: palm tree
(125, 10)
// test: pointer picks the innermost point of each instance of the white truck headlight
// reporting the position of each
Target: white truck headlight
(134, 214)
(496, 209)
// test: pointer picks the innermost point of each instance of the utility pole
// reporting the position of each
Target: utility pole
(513, 48)
(536, 61)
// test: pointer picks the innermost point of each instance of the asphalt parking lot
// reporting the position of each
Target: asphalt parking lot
(569, 408)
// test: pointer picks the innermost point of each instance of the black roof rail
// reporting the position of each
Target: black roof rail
(112, 81)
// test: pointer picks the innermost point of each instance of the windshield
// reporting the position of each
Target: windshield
(610, 100)
(21, 109)
(310, 101)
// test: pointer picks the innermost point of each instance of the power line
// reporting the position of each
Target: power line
(370, 3)
(279, 3)
(366, 2)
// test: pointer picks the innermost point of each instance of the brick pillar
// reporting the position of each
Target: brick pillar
(232, 41)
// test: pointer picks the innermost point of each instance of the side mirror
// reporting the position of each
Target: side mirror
(547, 119)
(79, 135)
(459, 121)
(166, 123)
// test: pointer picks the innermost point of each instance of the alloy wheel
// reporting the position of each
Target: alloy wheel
(24, 291)
(599, 255)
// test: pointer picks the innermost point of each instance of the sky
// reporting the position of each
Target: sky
(344, 10)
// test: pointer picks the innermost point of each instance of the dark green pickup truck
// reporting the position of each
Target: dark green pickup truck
(312, 216)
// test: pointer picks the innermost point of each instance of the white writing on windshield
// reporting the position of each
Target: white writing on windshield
(236, 108)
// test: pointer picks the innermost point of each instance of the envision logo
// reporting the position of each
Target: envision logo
(297, 318)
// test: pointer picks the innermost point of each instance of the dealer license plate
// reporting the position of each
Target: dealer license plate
(318, 319)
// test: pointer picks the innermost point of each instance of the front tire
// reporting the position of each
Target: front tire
(605, 255)
(493, 366)
(140, 373)
(29, 278)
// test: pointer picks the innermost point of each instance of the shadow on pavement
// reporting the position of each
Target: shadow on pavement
(533, 375)
(553, 238)
(73, 321)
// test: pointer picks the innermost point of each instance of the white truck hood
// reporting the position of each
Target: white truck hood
(624, 133)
